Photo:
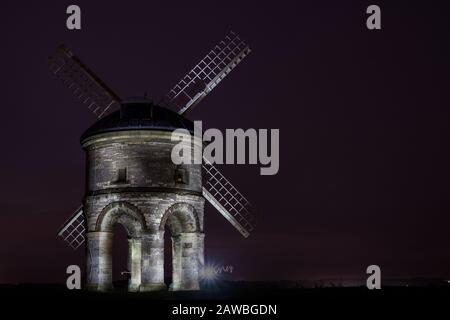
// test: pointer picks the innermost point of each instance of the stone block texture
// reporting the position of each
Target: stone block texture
(131, 180)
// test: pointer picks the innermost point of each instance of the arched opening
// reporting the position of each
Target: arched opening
(120, 258)
(178, 219)
(167, 256)
(118, 254)
(183, 247)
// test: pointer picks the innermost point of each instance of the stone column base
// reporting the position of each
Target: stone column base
(133, 287)
(97, 287)
(185, 287)
(152, 287)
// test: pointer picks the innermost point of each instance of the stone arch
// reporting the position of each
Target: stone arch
(99, 264)
(124, 213)
(187, 245)
(180, 218)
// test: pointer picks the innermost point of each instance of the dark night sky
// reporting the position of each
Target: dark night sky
(363, 117)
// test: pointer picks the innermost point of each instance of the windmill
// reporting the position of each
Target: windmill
(182, 98)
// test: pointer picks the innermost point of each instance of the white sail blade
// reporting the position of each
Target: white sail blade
(73, 231)
(219, 191)
(207, 74)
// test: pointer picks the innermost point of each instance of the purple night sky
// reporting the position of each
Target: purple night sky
(363, 116)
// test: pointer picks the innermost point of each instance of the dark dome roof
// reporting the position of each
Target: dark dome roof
(139, 114)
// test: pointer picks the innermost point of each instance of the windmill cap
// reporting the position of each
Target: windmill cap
(139, 114)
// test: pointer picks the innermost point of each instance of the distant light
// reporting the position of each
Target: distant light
(209, 273)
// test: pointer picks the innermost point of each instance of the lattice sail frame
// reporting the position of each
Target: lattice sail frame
(83, 83)
(207, 74)
(74, 229)
(201, 80)
(219, 191)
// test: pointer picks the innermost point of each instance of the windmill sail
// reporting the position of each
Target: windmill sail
(73, 230)
(207, 74)
(204, 77)
(219, 191)
(84, 84)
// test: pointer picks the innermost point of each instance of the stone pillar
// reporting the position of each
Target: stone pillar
(134, 263)
(152, 262)
(99, 261)
(201, 253)
(188, 260)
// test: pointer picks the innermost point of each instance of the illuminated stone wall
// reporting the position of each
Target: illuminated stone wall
(131, 180)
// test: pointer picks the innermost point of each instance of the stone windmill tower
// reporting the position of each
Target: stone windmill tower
(131, 179)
